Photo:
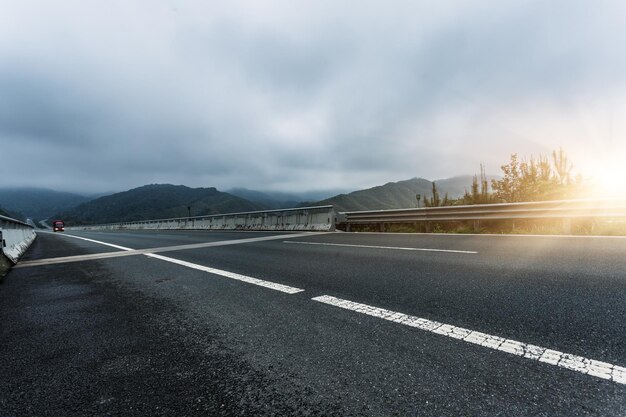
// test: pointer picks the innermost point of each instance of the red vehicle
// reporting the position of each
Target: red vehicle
(58, 226)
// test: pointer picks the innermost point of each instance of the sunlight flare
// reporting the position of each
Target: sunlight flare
(609, 180)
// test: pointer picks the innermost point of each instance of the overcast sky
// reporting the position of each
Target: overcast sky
(303, 95)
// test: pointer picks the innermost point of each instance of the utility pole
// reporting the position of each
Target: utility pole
(418, 198)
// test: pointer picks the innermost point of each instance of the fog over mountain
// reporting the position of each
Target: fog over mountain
(273, 199)
(38, 203)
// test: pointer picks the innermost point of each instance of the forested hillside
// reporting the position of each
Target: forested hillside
(38, 203)
(396, 195)
(156, 201)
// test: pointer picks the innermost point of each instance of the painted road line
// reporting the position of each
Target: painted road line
(77, 258)
(383, 247)
(131, 252)
(553, 357)
(250, 280)
(93, 241)
(149, 253)
(203, 244)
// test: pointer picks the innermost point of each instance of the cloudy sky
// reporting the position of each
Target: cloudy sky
(303, 95)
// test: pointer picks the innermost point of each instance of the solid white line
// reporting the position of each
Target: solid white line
(267, 284)
(383, 247)
(250, 280)
(203, 244)
(94, 241)
(129, 252)
(78, 258)
(553, 357)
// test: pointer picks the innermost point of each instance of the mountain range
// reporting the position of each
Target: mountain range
(5, 213)
(38, 203)
(278, 200)
(401, 194)
(156, 201)
(168, 201)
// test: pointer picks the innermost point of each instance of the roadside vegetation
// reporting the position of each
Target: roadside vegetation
(583, 227)
(523, 180)
(534, 179)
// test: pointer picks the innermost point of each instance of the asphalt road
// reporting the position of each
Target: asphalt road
(237, 324)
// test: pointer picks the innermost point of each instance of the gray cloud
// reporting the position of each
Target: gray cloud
(299, 96)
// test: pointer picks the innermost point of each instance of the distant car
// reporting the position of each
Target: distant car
(58, 226)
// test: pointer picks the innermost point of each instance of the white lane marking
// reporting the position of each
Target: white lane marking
(383, 247)
(200, 245)
(250, 280)
(553, 357)
(267, 284)
(94, 241)
(130, 252)
(78, 258)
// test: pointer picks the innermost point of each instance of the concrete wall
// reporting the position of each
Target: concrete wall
(16, 237)
(320, 219)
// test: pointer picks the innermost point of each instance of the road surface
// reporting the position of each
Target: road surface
(254, 324)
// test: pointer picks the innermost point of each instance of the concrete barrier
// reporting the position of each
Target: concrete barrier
(320, 219)
(15, 237)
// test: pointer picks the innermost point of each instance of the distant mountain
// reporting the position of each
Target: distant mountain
(456, 186)
(392, 195)
(98, 195)
(38, 203)
(7, 213)
(278, 200)
(156, 201)
(270, 200)
(401, 194)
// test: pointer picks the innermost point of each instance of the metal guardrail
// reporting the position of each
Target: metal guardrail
(15, 237)
(320, 218)
(561, 209)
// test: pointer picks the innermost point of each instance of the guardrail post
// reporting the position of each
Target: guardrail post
(476, 226)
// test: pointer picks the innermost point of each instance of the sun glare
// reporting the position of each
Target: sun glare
(610, 180)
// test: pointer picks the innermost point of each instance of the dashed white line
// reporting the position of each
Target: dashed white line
(382, 247)
(576, 363)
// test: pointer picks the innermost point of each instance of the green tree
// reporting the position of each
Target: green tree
(435, 200)
(562, 167)
(479, 190)
(506, 189)
(536, 179)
